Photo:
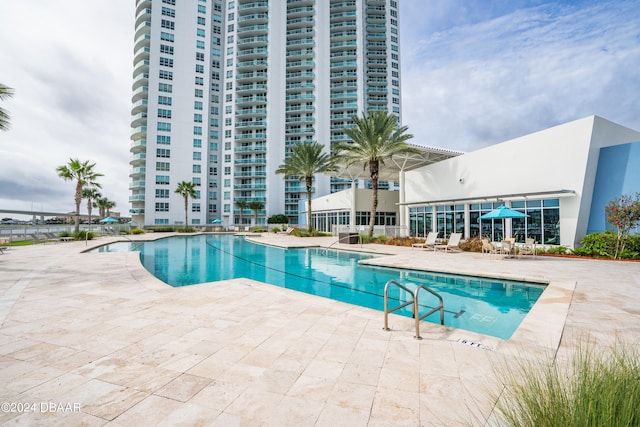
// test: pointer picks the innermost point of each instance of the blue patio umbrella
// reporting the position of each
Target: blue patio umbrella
(217, 221)
(109, 219)
(502, 212)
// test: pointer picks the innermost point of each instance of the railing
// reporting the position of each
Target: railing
(414, 302)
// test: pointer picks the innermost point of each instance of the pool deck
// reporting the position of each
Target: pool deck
(94, 339)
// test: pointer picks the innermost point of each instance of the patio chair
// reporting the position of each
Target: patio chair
(507, 246)
(430, 241)
(452, 243)
(529, 247)
(488, 247)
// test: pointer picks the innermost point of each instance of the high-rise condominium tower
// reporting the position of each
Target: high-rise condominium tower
(222, 89)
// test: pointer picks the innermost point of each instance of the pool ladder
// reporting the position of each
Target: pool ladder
(414, 301)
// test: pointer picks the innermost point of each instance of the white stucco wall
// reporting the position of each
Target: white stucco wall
(563, 157)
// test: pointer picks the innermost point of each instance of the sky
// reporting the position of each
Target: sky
(474, 73)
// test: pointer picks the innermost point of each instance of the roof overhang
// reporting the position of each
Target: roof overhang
(390, 170)
(496, 198)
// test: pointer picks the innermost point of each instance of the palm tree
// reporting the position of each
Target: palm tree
(304, 162)
(100, 203)
(241, 205)
(255, 206)
(84, 175)
(5, 92)
(375, 139)
(90, 193)
(186, 189)
(109, 205)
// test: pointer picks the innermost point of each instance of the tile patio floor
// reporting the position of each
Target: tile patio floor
(98, 335)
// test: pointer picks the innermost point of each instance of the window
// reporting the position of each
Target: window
(216, 52)
(163, 152)
(197, 118)
(227, 158)
(227, 133)
(171, 2)
(164, 127)
(230, 16)
(197, 143)
(195, 207)
(201, 21)
(229, 39)
(230, 28)
(228, 97)
(217, 17)
(162, 113)
(198, 93)
(162, 207)
(197, 130)
(162, 194)
(196, 181)
(167, 11)
(394, 56)
(166, 49)
(200, 32)
(165, 87)
(199, 56)
(227, 170)
(199, 68)
(166, 62)
(197, 105)
(163, 166)
(394, 47)
(200, 81)
(168, 37)
(227, 195)
(167, 75)
(199, 44)
(163, 139)
(197, 169)
(202, 8)
(162, 180)
(165, 23)
(164, 100)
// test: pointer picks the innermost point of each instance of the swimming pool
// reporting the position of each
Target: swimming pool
(493, 307)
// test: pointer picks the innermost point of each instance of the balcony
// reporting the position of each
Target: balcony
(137, 173)
(137, 211)
(139, 119)
(138, 146)
(247, 88)
(136, 185)
(258, 6)
(139, 106)
(140, 67)
(137, 198)
(250, 148)
(139, 93)
(258, 99)
(253, 30)
(300, 11)
(256, 18)
(252, 53)
(301, 42)
(251, 124)
(251, 111)
(138, 132)
(251, 174)
(342, 5)
(251, 41)
(258, 161)
(143, 15)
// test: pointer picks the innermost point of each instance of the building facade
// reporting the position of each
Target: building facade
(222, 89)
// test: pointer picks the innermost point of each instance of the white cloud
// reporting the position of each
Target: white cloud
(486, 82)
(70, 66)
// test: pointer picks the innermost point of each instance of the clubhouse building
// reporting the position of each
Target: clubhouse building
(561, 178)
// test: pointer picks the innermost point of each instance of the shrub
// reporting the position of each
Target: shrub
(604, 244)
(64, 234)
(299, 232)
(137, 231)
(258, 229)
(593, 388)
(161, 228)
(186, 230)
(471, 245)
(278, 219)
(403, 241)
(84, 235)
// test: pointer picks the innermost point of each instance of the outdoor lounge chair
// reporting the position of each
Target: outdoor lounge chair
(452, 243)
(288, 231)
(430, 241)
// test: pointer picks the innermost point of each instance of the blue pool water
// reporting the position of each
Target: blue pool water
(489, 306)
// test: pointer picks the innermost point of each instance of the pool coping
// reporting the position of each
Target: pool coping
(549, 313)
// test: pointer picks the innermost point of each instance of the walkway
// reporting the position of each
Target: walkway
(93, 339)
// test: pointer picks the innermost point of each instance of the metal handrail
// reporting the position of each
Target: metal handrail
(414, 302)
(430, 312)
